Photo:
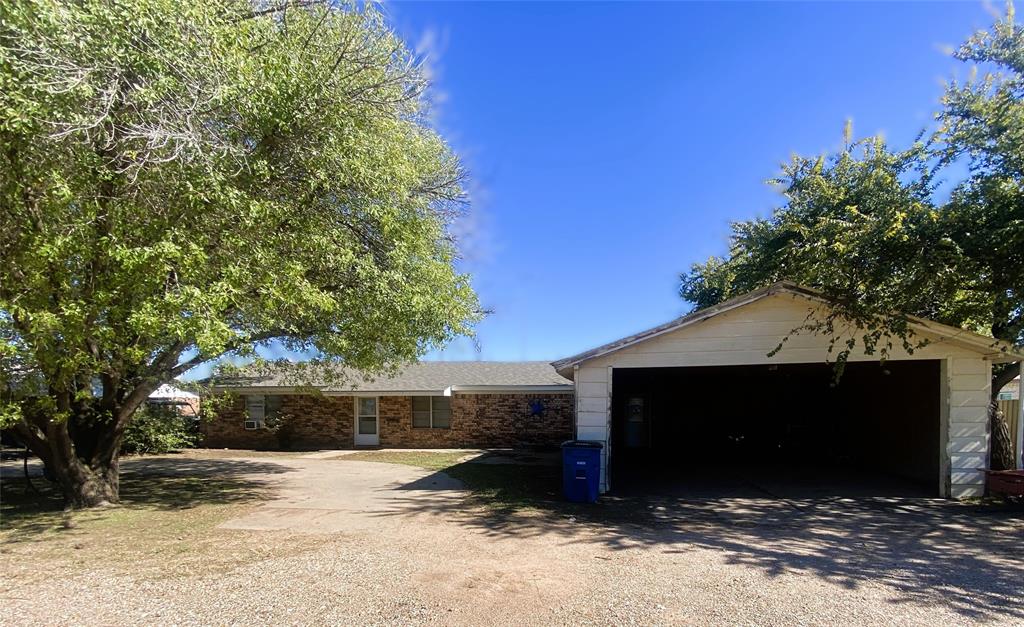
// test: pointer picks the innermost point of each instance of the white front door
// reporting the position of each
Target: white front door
(367, 423)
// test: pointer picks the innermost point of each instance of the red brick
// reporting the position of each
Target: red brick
(478, 421)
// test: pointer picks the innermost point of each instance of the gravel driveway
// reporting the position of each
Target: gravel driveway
(352, 542)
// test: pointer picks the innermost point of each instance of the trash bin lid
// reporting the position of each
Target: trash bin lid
(582, 444)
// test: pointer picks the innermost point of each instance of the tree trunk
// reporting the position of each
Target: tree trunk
(1002, 442)
(87, 477)
(999, 427)
(84, 485)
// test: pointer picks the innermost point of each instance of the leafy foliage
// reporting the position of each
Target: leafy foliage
(156, 430)
(854, 226)
(867, 227)
(185, 180)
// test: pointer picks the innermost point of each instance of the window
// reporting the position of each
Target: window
(255, 412)
(367, 419)
(432, 412)
(259, 409)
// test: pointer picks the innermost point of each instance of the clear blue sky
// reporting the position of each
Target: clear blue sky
(610, 145)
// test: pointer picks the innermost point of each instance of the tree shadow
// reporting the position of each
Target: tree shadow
(155, 484)
(966, 556)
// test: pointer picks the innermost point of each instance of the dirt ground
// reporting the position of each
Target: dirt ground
(318, 539)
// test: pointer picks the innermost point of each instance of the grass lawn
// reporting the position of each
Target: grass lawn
(519, 482)
(161, 520)
(431, 460)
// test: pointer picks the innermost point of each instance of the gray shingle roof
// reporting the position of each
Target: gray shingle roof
(425, 376)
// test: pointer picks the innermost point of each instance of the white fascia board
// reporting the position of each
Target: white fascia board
(512, 389)
(268, 389)
(312, 390)
(385, 393)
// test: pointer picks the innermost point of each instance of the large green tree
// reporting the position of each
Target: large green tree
(184, 180)
(877, 231)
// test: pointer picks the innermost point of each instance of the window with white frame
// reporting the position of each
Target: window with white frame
(366, 408)
(432, 412)
(259, 409)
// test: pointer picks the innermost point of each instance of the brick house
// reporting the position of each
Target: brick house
(426, 405)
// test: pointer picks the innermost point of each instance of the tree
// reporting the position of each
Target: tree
(868, 228)
(185, 180)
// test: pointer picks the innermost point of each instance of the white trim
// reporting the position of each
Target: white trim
(448, 391)
(607, 451)
(577, 402)
(990, 348)
(368, 439)
(367, 393)
(511, 389)
(945, 478)
(266, 391)
(695, 317)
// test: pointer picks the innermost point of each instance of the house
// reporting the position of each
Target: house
(1010, 391)
(183, 402)
(707, 387)
(425, 405)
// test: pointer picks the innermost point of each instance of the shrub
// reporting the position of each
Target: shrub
(155, 430)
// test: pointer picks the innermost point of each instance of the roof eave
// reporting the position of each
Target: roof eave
(995, 351)
(564, 365)
(556, 388)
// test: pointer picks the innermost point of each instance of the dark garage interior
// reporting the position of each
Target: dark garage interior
(878, 426)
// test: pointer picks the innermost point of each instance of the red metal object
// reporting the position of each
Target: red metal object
(1005, 482)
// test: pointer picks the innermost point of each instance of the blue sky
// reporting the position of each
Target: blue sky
(611, 144)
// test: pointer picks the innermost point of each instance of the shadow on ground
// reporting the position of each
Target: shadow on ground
(969, 557)
(158, 484)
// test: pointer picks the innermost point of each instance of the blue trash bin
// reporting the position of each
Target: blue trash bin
(581, 470)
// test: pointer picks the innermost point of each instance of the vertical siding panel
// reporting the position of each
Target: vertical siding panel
(606, 451)
(967, 391)
(593, 409)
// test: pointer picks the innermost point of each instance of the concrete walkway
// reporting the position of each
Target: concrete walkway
(328, 495)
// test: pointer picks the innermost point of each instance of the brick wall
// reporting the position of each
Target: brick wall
(316, 422)
(481, 421)
(478, 421)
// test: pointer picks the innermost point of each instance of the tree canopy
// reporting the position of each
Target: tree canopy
(888, 232)
(186, 180)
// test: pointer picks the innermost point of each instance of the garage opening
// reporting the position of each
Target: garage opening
(875, 431)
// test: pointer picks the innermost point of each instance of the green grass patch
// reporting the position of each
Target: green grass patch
(510, 486)
(521, 481)
(431, 460)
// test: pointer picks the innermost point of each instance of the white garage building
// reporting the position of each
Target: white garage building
(704, 387)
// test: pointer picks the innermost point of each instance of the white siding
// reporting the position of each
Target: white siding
(747, 334)
(969, 381)
(593, 415)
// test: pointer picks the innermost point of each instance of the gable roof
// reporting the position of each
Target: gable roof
(425, 377)
(987, 346)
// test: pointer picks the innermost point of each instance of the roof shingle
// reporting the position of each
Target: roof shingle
(424, 376)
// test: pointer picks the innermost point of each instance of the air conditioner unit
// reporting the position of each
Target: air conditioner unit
(252, 424)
